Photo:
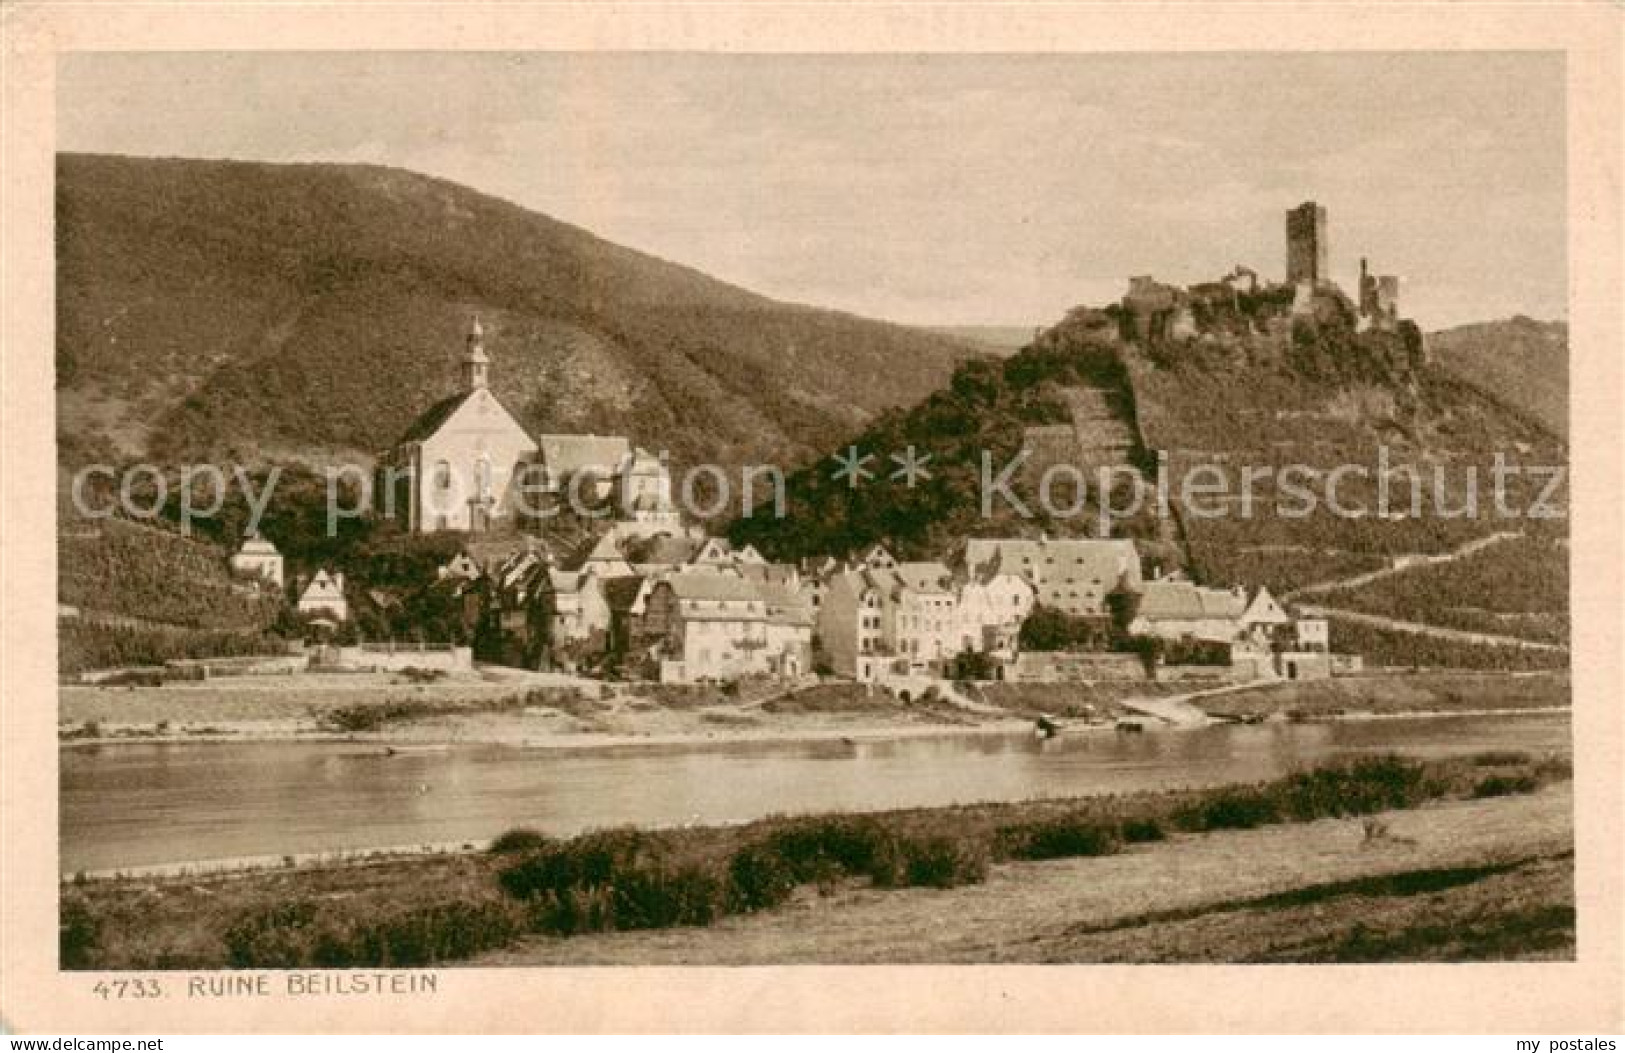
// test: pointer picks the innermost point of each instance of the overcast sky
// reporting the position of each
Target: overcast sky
(926, 189)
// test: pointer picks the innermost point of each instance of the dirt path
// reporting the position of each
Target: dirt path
(1344, 584)
(1423, 629)
(1028, 912)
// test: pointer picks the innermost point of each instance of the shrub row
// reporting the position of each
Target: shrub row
(1359, 787)
(625, 879)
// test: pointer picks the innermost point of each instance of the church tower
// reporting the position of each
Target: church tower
(476, 364)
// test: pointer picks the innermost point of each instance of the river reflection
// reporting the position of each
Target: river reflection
(135, 805)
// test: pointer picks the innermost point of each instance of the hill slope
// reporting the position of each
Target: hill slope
(210, 309)
(1519, 361)
(1251, 387)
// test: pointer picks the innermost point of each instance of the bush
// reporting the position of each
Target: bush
(282, 936)
(1230, 810)
(590, 860)
(519, 839)
(610, 879)
(660, 897)
(1140, 831)
(1505, 785)
(817, 849)
(930, 862)
(1059, 839)
(758, 879)
(1360, 787)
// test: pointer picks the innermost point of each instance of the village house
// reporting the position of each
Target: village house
(991, 608)
(323, 597)
(923, 622)
(789, 628)
(710, 627)
(1265, 626)
(849, 624)
(1174, 608)
(571, 615)
(258, 558)
(905, 618)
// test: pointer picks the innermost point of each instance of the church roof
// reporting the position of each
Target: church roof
(432, 418)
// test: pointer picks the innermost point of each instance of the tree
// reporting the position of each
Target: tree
(972, 665)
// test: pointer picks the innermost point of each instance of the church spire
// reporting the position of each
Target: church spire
(476, 364)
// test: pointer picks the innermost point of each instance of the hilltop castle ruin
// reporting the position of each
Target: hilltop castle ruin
(1155, 311)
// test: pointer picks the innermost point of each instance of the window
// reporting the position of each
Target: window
(442, 475)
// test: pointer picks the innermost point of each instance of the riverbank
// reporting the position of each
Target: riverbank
(543, 711)
(740, 893)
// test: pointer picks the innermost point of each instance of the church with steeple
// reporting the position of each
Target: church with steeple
(467, 464)
(459, 465)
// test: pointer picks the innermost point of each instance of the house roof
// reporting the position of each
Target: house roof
(1174, 600)
(569, 454)
(1105, 559)
(713, 587)
(786, 606)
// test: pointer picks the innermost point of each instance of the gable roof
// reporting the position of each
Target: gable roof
(1264, 610)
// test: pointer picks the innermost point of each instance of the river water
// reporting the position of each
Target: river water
(141, 805)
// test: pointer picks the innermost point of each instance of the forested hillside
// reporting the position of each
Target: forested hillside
(211, 309)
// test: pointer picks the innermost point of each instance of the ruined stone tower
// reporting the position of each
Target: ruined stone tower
(1306, 245)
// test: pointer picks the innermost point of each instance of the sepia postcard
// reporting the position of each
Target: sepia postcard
(800, 517)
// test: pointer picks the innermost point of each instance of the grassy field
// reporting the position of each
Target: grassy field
(1132, 856)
